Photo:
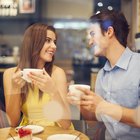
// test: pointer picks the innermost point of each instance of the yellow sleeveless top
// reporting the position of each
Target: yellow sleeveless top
(32, 110)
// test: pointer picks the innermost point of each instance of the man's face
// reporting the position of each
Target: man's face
(97, 39)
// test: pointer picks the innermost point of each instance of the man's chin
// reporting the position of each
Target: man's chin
(97, 54)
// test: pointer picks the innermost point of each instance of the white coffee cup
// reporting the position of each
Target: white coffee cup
(77, 93)
(26, 71)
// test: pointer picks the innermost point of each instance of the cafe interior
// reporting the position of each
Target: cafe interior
(70, 18)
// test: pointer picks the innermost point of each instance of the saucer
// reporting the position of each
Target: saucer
(35, 128)
(17, 138)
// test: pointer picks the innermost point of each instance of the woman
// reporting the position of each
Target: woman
(45, 97)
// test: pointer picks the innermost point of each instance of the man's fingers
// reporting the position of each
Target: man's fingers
(86, 91)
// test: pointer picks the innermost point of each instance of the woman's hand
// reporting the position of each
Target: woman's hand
(43, 81)
(17, 80)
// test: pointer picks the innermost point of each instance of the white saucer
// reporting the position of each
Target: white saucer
(35, 128)
(17, 138)
(62, 137)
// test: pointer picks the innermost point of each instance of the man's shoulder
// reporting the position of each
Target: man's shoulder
(100, 72)
(136, 57)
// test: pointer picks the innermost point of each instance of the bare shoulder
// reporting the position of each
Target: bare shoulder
(57, 70)
(10, 71)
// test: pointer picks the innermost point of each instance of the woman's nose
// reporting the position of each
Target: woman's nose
(53, 45)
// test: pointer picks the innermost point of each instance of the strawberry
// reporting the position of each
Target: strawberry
(24, 132)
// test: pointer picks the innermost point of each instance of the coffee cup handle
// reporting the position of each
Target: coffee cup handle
(22, 76)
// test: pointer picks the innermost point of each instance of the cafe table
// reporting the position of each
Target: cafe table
(49, 130)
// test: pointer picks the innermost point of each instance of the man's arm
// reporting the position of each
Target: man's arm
(122, 114)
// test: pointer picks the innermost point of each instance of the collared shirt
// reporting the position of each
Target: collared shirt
(121, 85)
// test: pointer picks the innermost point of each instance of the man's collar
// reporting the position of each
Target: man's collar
(123, 61)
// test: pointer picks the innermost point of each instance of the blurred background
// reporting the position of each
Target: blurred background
(69, 17)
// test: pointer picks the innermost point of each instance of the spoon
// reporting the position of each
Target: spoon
(77, 136)
(12, 136)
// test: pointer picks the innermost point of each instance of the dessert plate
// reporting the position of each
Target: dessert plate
(17, 138)
(63, 137)
(35, 128)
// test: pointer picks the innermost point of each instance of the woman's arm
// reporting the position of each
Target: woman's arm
(60, 96)
(12, 84)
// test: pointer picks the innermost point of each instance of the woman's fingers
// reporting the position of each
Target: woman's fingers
(18, 80)
(45, 73)
(39, 77)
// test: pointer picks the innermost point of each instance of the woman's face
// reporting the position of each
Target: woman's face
(48, 50)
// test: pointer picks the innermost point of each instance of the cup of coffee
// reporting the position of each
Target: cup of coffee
(76, 92)
(26, 71)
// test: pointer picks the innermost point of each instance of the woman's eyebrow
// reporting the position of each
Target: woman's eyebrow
(50, 38)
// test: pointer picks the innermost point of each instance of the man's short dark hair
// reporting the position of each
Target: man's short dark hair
(113, 18)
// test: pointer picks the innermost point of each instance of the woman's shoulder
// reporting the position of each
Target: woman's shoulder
(10, 70)
(57, 70)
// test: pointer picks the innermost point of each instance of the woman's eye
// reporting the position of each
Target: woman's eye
(48, 40)
(54, 42)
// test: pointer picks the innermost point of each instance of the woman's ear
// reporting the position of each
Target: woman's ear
(110, 31)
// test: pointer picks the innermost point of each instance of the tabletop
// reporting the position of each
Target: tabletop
(49, 130)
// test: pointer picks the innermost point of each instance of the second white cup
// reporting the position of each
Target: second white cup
(77, 93)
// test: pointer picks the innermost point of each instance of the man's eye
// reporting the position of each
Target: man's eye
(92, 33)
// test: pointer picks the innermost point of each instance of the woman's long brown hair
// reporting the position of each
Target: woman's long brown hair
(33, 41)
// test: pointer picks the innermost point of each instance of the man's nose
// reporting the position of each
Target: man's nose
(90, 42)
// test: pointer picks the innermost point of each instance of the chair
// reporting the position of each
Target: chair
(80, 125)
(100, 132)
(77, 120)
(3, 116)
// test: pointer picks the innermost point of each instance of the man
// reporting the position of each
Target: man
(117, 89)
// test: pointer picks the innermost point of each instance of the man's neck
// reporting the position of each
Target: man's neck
(114, 52)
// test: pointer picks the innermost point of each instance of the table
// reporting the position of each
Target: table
(49, 130)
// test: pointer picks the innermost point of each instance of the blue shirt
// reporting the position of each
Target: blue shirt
(121, 85)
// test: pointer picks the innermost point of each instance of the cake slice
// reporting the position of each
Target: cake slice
(25, 134)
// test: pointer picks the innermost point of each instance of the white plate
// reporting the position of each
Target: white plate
(62, 137)
(33, 138)
(35, 128)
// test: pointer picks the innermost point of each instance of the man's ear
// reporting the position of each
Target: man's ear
(110, 31)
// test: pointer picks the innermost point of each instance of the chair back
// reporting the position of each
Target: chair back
(3, 117)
